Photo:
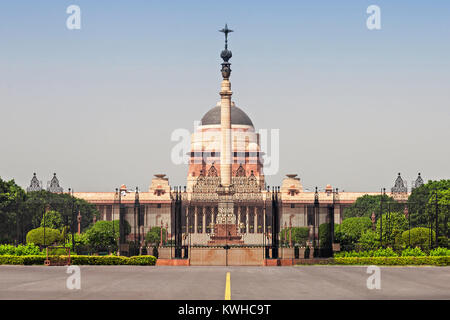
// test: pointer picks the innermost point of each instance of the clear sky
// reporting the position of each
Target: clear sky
(98, 105)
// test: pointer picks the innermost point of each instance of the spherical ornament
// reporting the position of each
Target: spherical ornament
(226, 55)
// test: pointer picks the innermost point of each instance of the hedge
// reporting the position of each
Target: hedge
(390, 261)
(81, 260)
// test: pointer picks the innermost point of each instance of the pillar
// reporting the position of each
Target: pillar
(255, 221)
(239, 219)
(204, 220)
(247, 221)
(264, 219)
(225, 127)
(187, 219)
(195, 219)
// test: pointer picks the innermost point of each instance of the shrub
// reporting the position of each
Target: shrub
(388, 252)
(80, 240)
(7, 249)
(114, 260)
(419, 237)
(80, 260)
(30, 260)
(324, 234)
(142, 260)
(24, 260)
(369, 240)
(413, 252)
(29, 249)
(104, 234)
(99, 260)
(426, 260)
(440, 252)
(36, 236)
(351, 229)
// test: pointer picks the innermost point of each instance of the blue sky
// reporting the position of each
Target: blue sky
(98, 105)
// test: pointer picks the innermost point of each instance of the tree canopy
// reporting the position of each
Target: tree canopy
(366, 205)
(154, 235)
(22, 211)
(104, 234)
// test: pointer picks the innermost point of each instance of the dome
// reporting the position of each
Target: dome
(239, 117)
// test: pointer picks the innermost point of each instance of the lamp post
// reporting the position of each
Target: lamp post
(43, 217)
(316, 217)
(119, 239)
(383, 192)
(116, 198)
(437, 218)
(290, 232)
(79, 222)
(136, 206)
(408, 216)
(73, 219)
(161, 235)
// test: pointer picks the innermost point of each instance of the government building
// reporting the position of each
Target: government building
(226, 198)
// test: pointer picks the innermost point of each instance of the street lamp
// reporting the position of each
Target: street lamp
(73, 219)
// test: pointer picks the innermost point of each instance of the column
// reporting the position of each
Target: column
(195, 219)
(239, 219)
(255, 221)
(225, 128)
(247, 221)
(264, 219)
(204, 220)
(187, 219)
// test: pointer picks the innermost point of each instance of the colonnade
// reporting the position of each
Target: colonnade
(198, 215)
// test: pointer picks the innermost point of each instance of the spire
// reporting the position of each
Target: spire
(419, 182)
(35, 185)
(226, 55)
(399, 185)
(53, 185)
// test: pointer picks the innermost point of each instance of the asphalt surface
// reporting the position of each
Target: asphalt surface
(204, 283)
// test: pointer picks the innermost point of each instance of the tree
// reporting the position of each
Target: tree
(394, 224)
(105, 234)
(46, 237)
(425, 201)
(12, 198)
(364, 206)
(38, 201)
(351, 229)
(153, 236)
(52, 220)
(299, 235)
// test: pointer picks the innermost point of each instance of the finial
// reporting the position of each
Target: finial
(226, 55)
(226, 31)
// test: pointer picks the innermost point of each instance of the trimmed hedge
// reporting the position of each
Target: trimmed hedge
(390, 261)
(81, 260)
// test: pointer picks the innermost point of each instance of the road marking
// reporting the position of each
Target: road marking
(228, 287)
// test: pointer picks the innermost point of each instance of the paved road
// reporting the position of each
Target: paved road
(199, 283)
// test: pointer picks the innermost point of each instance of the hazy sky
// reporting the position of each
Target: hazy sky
(98, 105)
